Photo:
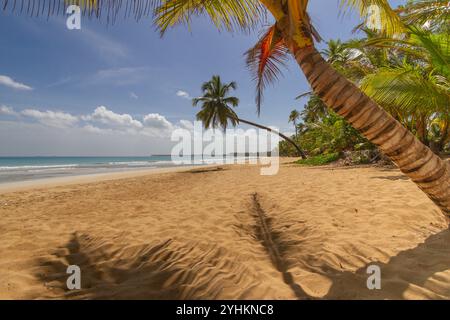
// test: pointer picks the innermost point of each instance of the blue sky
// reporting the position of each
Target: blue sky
(86, 92)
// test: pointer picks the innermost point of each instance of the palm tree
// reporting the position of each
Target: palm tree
(294, 34)
(217, 109)
(314, 109)
(336, 52)
(417, 85)
(293, 117)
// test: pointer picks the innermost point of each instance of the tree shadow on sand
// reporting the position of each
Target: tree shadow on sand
(274, 246)
(411, 269)
(207, 170)
(99, 280)
(162, 271)
(165, 270)
(392, 178)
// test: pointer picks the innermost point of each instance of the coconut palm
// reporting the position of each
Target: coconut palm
(417, 85)
(293, 117)
(293, 33)
(217, 109)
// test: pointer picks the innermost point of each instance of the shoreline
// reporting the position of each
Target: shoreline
(16, 186)
(82, 178)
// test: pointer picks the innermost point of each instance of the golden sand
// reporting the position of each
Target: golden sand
(226, 233)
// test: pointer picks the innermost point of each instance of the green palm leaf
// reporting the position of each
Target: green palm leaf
(225, 14)
(390, 23)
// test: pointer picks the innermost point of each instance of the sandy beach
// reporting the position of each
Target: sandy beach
(225, 233)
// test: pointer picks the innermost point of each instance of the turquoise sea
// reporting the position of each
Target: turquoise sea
(28, 168)
(14, 169)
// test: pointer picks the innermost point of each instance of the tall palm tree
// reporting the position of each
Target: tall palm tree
(217, 109)
(293, 117)
(294, 34)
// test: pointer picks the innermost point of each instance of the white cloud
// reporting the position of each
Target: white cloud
(7, 110)
(101, 121)
(7, 81)
(51, 118)
(157, 121)
(106, 47)
(33, 139)
(133, 95)
(93, 129)
(103, 115)
(183, 94)
(59, 82)
(119, 76)
(186, 124)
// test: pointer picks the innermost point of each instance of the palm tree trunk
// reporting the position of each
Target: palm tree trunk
(295, 127)
(445, 132)
(300, 151)
(421, 128)
(417, 161)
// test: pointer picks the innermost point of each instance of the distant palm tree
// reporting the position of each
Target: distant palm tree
(217, 109)
(293, 117)
(336, 52)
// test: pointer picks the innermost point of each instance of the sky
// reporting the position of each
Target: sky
(121, 90)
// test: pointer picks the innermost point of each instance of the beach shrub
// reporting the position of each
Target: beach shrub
(326, 135)
(361, 157)
(319, 160)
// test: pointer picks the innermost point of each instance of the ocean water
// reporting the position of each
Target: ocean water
(14, 169)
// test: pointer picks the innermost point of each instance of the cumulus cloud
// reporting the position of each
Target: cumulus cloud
(183, 94)
(51, 118)
(25, 139)
(101, 121)
(7, 110)
(157, 121)
(9, 82)
(92, 129)
(186, 124)
(105, 116)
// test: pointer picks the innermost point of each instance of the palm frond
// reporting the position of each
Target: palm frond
(264, 59)
(390, 22)
(230, 15)
(306, 94)
(432, 48)
(432, 13)
(436, 45)
(408, 89)
(99, 9)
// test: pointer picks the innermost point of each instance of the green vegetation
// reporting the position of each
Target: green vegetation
(407, 76)
(319, 160)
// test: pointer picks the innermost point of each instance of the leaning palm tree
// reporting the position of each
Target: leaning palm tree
(293, 117)
(293, 33)
(217, 109)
